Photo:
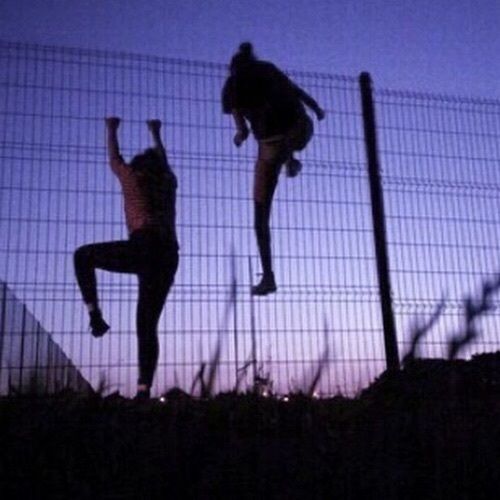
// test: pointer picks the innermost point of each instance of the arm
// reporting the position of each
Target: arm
(309, 102)
(241, 127)
(112, 124)
(302, 95)
(154, 127)
(229, 106)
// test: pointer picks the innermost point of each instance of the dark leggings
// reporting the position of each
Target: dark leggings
(155, 262)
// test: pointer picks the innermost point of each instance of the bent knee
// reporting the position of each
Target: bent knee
(82, 254)
(301, 134)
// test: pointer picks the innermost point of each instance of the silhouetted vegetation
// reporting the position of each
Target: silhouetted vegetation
(429, 431)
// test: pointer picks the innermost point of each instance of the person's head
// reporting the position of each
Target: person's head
(148, 160)
(242, 58)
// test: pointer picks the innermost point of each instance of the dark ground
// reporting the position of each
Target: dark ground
(431, 431)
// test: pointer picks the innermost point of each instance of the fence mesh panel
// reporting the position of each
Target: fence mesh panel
(441, 182)
(439, 159)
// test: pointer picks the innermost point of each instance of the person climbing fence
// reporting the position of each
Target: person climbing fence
(151, 252)
(259, 93)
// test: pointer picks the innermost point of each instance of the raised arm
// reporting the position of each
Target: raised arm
(154, 127)
(112, 124)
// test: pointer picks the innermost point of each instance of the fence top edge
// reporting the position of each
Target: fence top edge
(440, 96)
(135, 56)
(85, 51)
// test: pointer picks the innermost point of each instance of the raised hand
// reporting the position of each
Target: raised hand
(112, 122)
(320, 114)
(154, 125)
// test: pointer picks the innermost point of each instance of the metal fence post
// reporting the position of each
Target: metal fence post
(3, 322)
(252, 328)
(378, 216)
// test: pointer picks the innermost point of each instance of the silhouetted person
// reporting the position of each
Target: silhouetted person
(259, 93)
(151, 251)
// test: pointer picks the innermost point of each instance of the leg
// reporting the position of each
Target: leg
(297, 139)
(154, 285)
(117, 256)
(301, 134)
(271, 157)
(262, 216)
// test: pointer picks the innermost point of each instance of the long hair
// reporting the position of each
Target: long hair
(151, 172)
(148, 160)
(149, 168)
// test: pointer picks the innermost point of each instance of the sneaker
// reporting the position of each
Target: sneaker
(293, 167)
(98, 327)
(266, 285)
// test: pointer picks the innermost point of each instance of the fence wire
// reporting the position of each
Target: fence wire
(439, 158)
(441, 182)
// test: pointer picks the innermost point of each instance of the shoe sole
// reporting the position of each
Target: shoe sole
(99, 333)
(264, 292)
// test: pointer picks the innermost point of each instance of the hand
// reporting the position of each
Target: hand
(320, 114)
(240, 137)
(112, 122)
(154, 125)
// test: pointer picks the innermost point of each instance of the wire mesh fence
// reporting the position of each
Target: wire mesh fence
(439, 158)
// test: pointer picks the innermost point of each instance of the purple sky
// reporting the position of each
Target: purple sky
(441, 46)
(448, 46)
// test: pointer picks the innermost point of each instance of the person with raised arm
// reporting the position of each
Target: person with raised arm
(259, 94)
(151, 251)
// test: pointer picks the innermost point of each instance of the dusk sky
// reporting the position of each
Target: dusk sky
(448, 46)
(439, 157)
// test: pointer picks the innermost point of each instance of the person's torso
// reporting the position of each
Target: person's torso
(149, 199)
(267, 99)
